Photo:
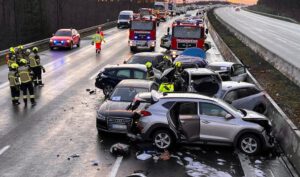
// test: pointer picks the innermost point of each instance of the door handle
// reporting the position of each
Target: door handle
(205, 121)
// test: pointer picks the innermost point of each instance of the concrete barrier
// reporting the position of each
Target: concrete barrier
(286, 133)
(289, 70)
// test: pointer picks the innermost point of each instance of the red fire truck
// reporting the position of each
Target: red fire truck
(186, 33)
(142, 33)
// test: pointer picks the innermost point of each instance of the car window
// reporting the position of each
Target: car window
(168, 105)
(209, 109)
(188, 108)
(244, 92)
(126, 94)
(138, 74)
(238, 69)
(63, 33)
(110, 72)
(123, 73)
(231, 96)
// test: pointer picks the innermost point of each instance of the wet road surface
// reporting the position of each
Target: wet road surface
(45, 140)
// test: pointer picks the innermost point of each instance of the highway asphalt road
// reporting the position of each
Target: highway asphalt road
(279, 37)
(39, 141)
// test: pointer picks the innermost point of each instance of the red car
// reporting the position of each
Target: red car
(65, 38)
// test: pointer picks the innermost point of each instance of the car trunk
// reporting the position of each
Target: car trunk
(206, 84)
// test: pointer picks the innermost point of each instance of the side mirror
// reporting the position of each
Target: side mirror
(228, 117)
(206, 31)
(168, 31)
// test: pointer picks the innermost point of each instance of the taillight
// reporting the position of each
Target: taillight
(145, 113)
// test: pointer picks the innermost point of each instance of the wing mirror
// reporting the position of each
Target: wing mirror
(168, 31)
(228, 116)
(206, 31)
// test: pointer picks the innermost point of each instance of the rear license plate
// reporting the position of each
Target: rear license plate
(119, 127)
(141, 43)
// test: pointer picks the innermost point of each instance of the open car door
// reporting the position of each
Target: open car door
(184, 119)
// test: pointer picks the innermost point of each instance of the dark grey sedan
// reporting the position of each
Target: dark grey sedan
(112, 115)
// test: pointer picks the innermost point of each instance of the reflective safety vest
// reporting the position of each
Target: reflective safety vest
(13, 79)
(24, 74)
(166, 87)
(9, 62)
(97, 38)
(33, 62)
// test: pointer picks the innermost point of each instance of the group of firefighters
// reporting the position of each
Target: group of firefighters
(25, 73)
(169, 82)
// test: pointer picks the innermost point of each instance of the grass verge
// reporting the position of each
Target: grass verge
(280, 88)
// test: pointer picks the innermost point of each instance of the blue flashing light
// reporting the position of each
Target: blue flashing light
(55, 41)
(62, 42)
(148, 37)
(135, 37)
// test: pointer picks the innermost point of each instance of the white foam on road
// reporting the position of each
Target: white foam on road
(4, 149)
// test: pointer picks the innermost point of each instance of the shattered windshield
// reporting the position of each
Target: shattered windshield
(126, 94)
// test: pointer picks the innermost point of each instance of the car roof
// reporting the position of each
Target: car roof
(126, 12)
(130, 66)
(151, 54)
(186, 96)
(139, 83)
(221, 63)
(199, 71)
(64, 29)
(227, 85)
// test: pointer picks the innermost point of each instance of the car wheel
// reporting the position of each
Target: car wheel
(78, 45)
(107, 90)
(250, 144)
(152, 49)
(133, 49)
(162, 139)
(260, 109)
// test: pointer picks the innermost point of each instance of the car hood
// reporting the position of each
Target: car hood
(251, 115)
(61, 38)
(111, 108)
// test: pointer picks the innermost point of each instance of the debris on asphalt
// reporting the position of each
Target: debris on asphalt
(165, 155)
(91, 92)
(143, 156)
(75, 156)
(57, 155)
(155, 158)
(95, 162)
(179, 153)
(120, 149)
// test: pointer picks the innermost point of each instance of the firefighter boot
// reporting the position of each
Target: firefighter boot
(25, 101)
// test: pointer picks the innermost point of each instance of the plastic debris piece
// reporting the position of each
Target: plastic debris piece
(57, 155)
(75, 156)
(155, 158)
(179, 153)
(120, 149)
(88, 90)
(165, 155)
(143, 156)
(95, 162)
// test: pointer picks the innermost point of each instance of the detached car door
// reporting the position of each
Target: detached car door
(185, 119)
(214, 126)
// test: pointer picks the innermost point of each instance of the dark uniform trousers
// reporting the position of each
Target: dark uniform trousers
(37, 75)
(27, 87)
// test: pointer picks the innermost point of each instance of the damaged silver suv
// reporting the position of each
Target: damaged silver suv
(193, 118)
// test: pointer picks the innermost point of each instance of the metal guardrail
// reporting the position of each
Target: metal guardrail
(44, 41)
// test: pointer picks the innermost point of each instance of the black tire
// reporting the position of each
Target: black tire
(260, 109)
(78, 45)
(163, 139)
(107, 90)
(245, 141)
(133, 49)
(152, 49)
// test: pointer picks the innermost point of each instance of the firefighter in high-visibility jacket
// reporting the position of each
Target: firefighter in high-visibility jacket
(150, 72)
(14, 83)
(36, 67)
(26, 81)
(11, 57)
(98, 38)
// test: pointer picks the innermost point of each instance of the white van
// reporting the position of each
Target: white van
(124, 18)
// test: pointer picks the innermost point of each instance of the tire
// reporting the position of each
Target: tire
(163, 139)
(260, 109)
(107, 90)
(78, 45)
(249, 144)
(133, 49)
(152, 49)
(71, 46)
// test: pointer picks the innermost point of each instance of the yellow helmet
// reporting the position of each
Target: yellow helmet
(23, 61)
(35, 49)
(178, 64)
(14, 66)
(166, 57)
(148, 64)
(21, 47)
(12, 49)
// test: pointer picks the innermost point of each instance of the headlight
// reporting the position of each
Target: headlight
(100, 116)
(130, 43)
(68, 41)
(153, 44)
(173, 52)
(51, 40)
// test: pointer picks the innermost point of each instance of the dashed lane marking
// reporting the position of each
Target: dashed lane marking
(4, 149)
(116, 166)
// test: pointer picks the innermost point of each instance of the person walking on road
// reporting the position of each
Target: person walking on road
(36, 67)
(97, 39)
(14, 83)
(26, 82)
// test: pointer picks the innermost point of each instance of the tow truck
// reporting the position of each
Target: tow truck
(142, 33)
(186, 33)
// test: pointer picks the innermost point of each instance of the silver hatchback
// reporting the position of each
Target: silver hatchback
(193, 118)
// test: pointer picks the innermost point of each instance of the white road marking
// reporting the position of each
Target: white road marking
(247, 168)
(4, 149)
(115, 168)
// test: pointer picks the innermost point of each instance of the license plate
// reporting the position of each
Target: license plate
(119, 127)
(141, 43)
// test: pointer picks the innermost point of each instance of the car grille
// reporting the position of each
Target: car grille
(184, 45)
(123, 23)
(119, 121)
